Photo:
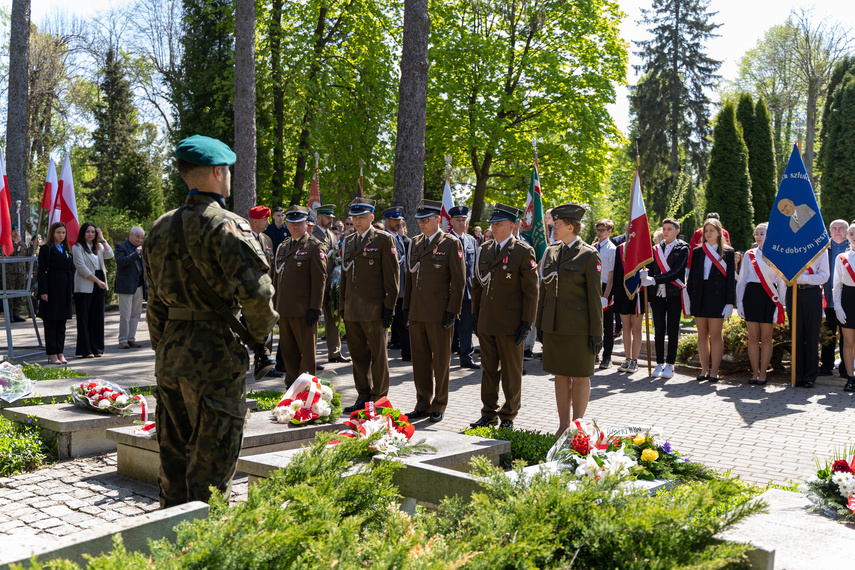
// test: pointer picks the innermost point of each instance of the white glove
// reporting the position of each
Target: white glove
(645, 279)
(741, 312)
(727, 312)
(660, 290)
(605, 302)
(841, 316)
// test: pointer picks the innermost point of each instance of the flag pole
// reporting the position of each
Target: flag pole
(646, 310)
(361, 164)
(795, 303)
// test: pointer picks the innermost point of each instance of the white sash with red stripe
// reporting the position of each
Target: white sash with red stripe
(779, 307)
(662, 262)
(846, 265)
(810, 271)
(715, 261)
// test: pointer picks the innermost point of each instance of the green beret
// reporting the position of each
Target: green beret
(205, 151)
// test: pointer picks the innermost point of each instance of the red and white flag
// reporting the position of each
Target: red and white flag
(314, 193)
(5, 215)
(447, 205)
(639, 248)
(65, 204)
(50, 187)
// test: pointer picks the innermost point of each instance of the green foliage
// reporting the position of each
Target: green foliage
(735, 335)
(830, 498)
(729, 186)
(266, 400)
(310, 515)
(837, 151)
(762, 164)
(526, 445)
(21, 448)
(35, 371)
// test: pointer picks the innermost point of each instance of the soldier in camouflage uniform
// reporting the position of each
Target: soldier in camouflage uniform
(200, 362)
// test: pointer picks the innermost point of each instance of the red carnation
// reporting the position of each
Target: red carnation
(840, 466)
(91, 393)
(581, 444)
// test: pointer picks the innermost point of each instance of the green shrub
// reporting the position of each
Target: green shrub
(21, 448)
(35, 371)
(526, 445)
(266, 400)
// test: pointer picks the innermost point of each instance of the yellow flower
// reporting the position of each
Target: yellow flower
(639, 439)
(649, 455)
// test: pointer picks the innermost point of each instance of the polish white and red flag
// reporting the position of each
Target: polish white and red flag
(65, 204)
(51, 184)
(447, 205)
(638, 251)
(5, 215)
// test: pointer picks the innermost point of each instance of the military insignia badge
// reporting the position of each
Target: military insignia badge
(394, 251)
(533, 263)
(599, 268)
(321, 255)
(460, 253)
(244, 227)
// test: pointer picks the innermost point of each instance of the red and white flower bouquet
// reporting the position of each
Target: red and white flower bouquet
(380, 417)
(105, 396)
(308, 400)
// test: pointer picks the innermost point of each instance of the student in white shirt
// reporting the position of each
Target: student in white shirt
(844, 304)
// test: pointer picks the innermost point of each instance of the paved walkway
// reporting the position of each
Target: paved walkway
(761, 434)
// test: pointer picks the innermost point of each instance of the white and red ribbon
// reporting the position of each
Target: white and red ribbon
(664, 267)
(779, 307)
(715, 261)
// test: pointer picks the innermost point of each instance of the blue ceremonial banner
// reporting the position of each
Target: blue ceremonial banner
(796, 235)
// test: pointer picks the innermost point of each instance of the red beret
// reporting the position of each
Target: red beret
(259, 213)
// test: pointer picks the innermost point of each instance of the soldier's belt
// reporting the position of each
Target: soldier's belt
(181, 314)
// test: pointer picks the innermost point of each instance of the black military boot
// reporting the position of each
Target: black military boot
(264, 363)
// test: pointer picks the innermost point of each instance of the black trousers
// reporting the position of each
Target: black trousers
(808, 321)
(463, 332)
(90, 320)
(54, 335)
(608, 329)
(666, 320)
(826, 357)
(400, 334)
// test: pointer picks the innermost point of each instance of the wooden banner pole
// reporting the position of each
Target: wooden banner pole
(793, 335)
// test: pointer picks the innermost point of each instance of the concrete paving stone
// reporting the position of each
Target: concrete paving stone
(76, 518)
(91, 510)
(109, 515)
(75, 504)
(9, 525)
(129, 511)
(62, 530)
(58, 511)
(33, 517)
(44, 491)
(20, 510)
(4, 481)
(91, 523)
(43, 503)
(46, 523)
(19, 496)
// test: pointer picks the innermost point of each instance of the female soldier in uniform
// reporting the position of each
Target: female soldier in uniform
(570, 313)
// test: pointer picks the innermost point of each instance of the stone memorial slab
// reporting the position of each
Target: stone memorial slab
(552, 467)
(59, 390)
(138, 455)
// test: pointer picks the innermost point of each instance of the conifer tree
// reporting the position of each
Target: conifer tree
(671, 99)
(762, 164)
(729, 184)
(837, 153)
(113, 138)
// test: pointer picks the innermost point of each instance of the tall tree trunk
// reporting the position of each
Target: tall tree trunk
(16, 125)
(245, 130)
(412, 109)
(278, 102)
(810, 130)
(482, 174)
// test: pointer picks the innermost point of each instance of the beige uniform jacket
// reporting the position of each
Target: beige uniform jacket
(369, 275)
(301, 274)
(504, 287)
(570, 290)
(436, 278)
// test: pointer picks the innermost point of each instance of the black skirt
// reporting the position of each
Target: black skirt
(757, 304)
(847, 302)
(712, 304)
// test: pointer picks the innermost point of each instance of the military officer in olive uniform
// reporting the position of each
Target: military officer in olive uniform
(504, 305)
(322, 233)
(400, 337)
(369, 289)
(433, 296)
(200, 361)
(301, 276)
(463, 325)
(570, 313)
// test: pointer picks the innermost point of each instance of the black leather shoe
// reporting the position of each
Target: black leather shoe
(471, 365)
(318, 367)
(850, 385)
(275, 374)
(484, 422)
(394, 346)
(436, 416)
(407, 358)
(263, 365)
(359, 405)
(507, 424)
(339, 359)
(418, 414)
(825, 372)
(808, 384)
(18, 319)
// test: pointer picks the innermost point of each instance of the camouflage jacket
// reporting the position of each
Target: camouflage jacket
(229, 258)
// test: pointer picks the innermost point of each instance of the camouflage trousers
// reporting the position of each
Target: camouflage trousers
(16, 281)
(199, 430)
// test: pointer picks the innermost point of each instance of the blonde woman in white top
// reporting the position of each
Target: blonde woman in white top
(90, 283)
(760, 301)
(844, 303)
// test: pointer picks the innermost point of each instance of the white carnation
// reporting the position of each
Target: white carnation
(326, 393)
(283, 414)
(322, 408)
(122, 401)
(104, 404)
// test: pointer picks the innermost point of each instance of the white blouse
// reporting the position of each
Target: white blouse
(748, 275)
(842, 277)
(708, 262)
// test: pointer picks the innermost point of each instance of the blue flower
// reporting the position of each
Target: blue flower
(666, 447)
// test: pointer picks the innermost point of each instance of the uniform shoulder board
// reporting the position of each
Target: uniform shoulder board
(589, 246)
(244, 226)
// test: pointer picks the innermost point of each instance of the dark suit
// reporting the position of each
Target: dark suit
(369, 284)
(56, 280)
(503, 296)
(131, 288)
(667, 310)
(463, 325)
(400, 335)
(435, 283)
(831, 323)
(721, 288)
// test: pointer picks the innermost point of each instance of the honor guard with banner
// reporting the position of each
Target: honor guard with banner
(204, 266)
(433, 296)
(400, 337)
(322, 232)
(369, 290)
(796, 240)
(504, 306)
(301, 276)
